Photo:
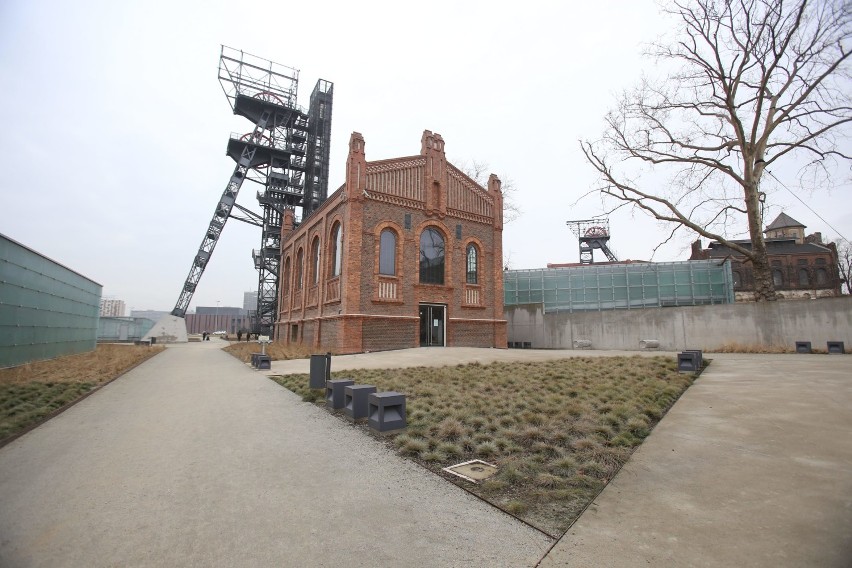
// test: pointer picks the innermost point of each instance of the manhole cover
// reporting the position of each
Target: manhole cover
(473, 471)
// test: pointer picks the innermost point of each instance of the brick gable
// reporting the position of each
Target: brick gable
(362, 310)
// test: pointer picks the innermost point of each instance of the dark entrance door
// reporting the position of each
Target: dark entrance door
(432, 325)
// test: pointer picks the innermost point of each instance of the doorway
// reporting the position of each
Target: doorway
(432, 325)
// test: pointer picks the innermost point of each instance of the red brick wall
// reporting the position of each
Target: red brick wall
(342, 325)
(380, 334)
(477, 334)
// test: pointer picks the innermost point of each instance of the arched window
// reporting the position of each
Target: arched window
(431, 257)
(738, 279)
(387, 252)
(821, 276)
(300, 257)
(315, 257)
(336, 249)
(472, 264)
(777, 278)
(804, 280)
(285, 282)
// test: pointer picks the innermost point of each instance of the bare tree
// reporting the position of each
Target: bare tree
(479, 172)
(756, 82)
(844, 264)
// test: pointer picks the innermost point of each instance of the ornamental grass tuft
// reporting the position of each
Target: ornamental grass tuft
(557, 430)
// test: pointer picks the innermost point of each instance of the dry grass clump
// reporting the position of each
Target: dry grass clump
(277, 351)
(32, 391)
(736, 347)
(558, 430)
(106, 362)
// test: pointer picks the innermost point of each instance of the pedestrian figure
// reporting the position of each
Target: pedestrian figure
(239, 335)
(203, 336)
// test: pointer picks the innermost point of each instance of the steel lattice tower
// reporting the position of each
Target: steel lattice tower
(286, 153)
(593, 234)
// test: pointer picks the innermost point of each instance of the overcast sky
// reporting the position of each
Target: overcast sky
(114, 125)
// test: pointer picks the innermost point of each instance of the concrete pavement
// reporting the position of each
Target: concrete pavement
(194, 459)
(751, 467)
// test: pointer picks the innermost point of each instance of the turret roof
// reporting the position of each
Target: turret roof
(783, 221)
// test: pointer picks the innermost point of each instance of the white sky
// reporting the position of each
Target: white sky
(114, 125)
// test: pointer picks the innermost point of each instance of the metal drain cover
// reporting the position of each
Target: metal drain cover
(473, 471)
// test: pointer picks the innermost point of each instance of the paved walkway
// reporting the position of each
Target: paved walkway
(194, 459)
(751, 467)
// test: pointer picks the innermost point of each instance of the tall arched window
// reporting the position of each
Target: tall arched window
(300, 258)
(387, 253)
(336, 249)
(777, 278)
(285, 282)
(472, 264)
(821, 276)
(315, 257)
(804, 280)
(432, 254)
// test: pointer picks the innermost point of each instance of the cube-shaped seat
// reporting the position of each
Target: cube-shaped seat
(264, 362)
(387, 411)
(335, 396)
(836, 348)
(699, 357)
(803, 347)
(687, 362)
(355, 400)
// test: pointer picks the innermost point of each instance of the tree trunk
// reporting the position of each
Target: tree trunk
(764, 287)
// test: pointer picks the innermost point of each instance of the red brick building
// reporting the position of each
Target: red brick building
(803, 267)
(407, 253)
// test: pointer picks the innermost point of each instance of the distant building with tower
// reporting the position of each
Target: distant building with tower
(803, 267)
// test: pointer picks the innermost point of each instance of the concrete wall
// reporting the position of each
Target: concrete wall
(693, 327)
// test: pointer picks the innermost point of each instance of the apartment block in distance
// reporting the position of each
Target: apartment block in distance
(112, 308)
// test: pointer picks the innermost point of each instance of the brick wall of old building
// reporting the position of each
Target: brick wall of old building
(474, 334)
(363, 310)
(380, 334)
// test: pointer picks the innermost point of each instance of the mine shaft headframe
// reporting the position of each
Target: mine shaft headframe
(581, 227)
(592, 234)
(242, 73)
